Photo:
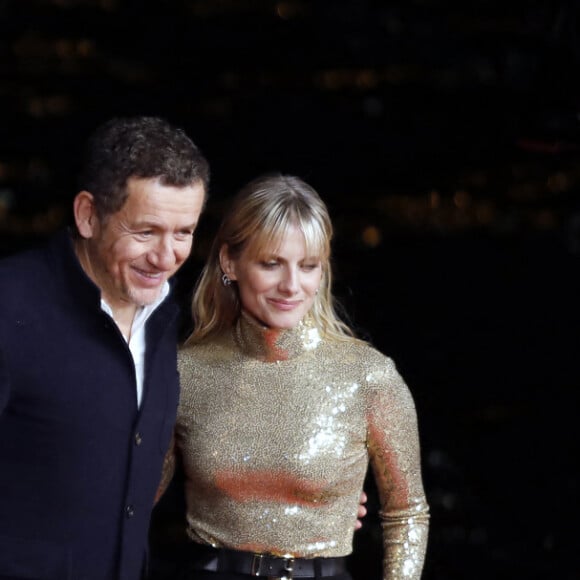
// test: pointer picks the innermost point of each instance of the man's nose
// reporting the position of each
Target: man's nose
(163, 255)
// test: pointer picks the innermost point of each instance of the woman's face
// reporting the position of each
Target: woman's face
(278, 287)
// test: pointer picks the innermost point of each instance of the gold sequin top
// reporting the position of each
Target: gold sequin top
(276, 429)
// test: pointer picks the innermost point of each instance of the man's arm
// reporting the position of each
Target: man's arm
(4, 382)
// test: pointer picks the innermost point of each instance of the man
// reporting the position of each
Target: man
(88, 380)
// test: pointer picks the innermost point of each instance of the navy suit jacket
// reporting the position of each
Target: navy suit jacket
(79, 462)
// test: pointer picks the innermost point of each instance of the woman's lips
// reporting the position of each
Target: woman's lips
(284, 304)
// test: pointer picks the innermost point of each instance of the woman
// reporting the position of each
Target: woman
(282, 408)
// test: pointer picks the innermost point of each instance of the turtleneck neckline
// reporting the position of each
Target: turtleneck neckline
(275, 344)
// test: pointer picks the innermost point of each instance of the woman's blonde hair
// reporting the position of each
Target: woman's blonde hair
(256, 222)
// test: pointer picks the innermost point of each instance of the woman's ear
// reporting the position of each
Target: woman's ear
(226, 263)
(85, 214)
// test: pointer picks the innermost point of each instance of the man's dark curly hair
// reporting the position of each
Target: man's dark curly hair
(142, 147)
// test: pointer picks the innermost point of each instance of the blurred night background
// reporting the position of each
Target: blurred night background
(445, 137)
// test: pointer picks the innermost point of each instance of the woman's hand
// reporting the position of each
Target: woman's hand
(362, 510)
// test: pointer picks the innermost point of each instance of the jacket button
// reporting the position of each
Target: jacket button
(138, 438)
(130, 511)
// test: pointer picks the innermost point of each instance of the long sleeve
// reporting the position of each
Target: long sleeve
(393, 444)
(167, 471)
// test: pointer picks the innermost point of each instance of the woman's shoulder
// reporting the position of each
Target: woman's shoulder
(355, 349)
(375, 369)
(206, 352)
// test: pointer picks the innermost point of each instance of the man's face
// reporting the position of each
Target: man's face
(133, 252)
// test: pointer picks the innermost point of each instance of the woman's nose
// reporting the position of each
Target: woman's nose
(289, 282)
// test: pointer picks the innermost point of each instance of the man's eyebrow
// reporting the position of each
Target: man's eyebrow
(155, 224)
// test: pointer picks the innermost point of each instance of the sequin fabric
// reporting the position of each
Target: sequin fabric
(276, 429)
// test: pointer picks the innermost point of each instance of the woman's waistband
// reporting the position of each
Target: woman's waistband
(208, 558)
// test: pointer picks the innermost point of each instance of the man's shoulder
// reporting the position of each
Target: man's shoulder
(28, 279)
(21, 267)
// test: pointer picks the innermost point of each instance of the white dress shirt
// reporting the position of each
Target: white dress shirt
(136, 340)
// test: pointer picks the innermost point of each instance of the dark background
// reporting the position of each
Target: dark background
(444, 136)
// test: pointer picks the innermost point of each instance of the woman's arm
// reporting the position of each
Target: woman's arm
(167, 471)
(393, 444)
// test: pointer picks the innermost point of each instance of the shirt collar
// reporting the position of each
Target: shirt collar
(143, 312)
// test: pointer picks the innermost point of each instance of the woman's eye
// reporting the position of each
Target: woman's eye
(269, 265)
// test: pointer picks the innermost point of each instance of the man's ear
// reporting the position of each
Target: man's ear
(226, 263)
(85, 214)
